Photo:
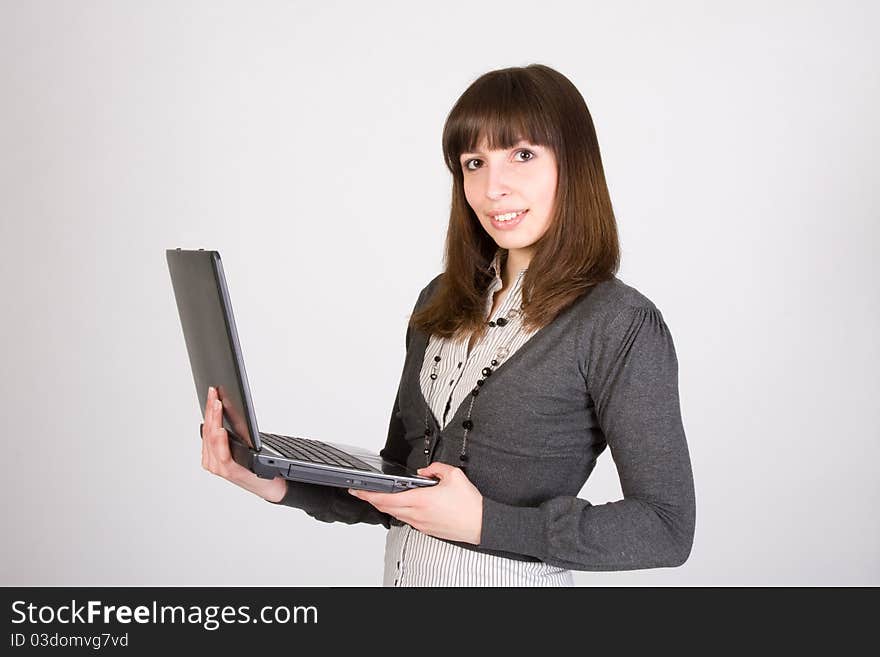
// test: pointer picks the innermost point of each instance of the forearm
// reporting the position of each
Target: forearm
(569, 532)
(271, 490)
(331, 504)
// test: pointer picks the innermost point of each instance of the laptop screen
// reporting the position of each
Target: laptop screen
(211, 338)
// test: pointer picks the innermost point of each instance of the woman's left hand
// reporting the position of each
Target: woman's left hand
(452, 509)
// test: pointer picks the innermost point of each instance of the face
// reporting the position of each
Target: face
(520, 178)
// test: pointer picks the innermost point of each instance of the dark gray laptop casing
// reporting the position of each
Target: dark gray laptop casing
(215, 356)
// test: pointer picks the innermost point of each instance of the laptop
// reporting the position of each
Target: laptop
(216, 359)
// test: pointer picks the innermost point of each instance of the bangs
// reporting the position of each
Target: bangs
(501, 109)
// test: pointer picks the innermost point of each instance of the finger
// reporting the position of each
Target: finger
(218, 412)
(437, 469)
(218, 440)
(218, 425)
(373, 497)
(206, 432)
(207, 411)
(220, 460)
(216, 453)
(219, 444)
(206, 449)
(209, 449)
(388, 502)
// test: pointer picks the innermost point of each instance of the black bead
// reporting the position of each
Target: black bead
(475, 392)
(502, 321)
(433, 376)
(487, 371)
(480, 382)
(463, 458)
(492, 323)
(468, 424)
(428, 432)
(494, 362)
(436, 359)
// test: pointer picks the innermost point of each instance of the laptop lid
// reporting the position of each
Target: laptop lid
(215, 355)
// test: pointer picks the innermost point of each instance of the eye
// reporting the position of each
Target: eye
(521, 150)
(466, 164)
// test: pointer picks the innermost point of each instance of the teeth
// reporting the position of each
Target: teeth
(506, 217)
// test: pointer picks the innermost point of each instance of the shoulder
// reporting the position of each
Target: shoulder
(610, 298)
(433, 283)
(613, 312)
(598, 307)
(429, 289)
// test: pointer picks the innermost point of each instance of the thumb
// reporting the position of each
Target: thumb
(437, 469)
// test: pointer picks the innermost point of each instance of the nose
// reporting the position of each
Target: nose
(496, 183)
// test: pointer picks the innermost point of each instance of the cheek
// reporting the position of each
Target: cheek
(543, 192)
(549, 194)
(545, 199)
(548, 188)
(471, 195)
(470, 191)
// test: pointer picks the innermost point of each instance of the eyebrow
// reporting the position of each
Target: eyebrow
(515, 146)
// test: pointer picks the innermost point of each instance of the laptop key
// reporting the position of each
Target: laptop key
(307, 449)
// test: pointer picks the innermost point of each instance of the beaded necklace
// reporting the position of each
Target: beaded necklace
(500, 354)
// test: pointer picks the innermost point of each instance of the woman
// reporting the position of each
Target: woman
(525, 358)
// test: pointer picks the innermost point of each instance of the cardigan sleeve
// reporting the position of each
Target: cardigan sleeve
(631, 373)
(336, 504)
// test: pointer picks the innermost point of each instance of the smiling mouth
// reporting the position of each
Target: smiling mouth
(508, 224)
(510, 216)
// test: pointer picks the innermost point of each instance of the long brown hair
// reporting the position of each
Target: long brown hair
(580, 247)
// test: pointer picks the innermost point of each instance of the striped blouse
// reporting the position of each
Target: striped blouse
(413, 558)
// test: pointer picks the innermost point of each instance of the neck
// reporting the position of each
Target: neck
(517, 259)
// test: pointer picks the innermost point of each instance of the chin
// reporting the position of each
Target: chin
(512, 242)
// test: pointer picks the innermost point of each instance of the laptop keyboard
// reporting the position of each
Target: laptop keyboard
(306, 449)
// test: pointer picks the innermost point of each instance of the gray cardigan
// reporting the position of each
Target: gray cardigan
(604, 372)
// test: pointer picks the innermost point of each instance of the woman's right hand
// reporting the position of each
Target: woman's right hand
(217, 457)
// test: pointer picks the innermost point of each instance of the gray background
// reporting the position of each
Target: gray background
(302, 140)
